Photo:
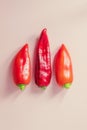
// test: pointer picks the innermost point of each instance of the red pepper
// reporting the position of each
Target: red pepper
(63, 67)
(22, 70)
(43, 61)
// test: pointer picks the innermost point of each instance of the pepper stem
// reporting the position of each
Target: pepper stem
(21, 86)
(67, 85)
(43, 87)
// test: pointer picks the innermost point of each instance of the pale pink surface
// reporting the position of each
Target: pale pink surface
(34, 109)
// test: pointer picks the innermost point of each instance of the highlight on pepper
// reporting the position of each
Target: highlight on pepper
(63, 67)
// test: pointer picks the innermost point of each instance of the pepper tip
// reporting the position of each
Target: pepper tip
(44, 30)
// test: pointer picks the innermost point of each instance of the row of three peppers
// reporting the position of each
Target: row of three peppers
(43, 70)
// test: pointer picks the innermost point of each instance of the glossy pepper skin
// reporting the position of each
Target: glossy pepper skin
(22, 69)
(43, 61)
(63, 67)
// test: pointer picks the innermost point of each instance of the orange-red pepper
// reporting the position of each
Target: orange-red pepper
(22, 69)
(63, 67)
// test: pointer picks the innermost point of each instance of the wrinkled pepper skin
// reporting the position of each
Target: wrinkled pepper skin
(21, 68)
(43, 61)
(63, 67)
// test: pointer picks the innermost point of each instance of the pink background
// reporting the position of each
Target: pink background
(55, 108)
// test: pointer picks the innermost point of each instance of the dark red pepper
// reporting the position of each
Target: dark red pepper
(22, 69)
(43, 61)
(63, 67)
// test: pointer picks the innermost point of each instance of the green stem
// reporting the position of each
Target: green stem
(21, 86)
(43, 87)
(67, 85)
